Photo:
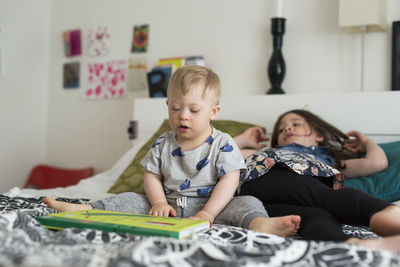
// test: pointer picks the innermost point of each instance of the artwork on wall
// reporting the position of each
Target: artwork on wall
(1, 50)
(106, 80)
(157, 80)
(72, 42)
(98, 41)
(71, 75)
(137, 74)
(140, 40)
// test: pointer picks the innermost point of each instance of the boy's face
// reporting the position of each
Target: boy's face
(190, 114)
(294, 128)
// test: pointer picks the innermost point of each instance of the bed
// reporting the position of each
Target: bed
(26, 243)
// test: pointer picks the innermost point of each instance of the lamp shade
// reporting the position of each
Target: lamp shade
(355, 15)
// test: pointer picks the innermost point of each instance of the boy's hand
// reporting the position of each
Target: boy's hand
(162, 209)
(203, 215)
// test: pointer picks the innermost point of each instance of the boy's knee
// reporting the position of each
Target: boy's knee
(247, 202)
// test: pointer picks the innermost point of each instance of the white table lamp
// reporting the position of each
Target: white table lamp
(361, 16)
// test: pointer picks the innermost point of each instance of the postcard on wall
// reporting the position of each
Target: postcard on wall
(98, 41)
(106, 80)
(137, 74)
(72, 43)
(71, 75)
(1, 50)
(140, 40)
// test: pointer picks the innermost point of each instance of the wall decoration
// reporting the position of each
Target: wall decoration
(158, 79)
(106, 80)
(72, 43)
(98, 42)
(71, 75)
(137, 74)
(140, 39)
(1, 50)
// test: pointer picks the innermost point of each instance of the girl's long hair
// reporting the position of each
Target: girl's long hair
(333, 137)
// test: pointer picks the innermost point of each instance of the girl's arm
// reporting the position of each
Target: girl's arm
(155, 194)
(250, 138)
(375, 158)
(220, 197)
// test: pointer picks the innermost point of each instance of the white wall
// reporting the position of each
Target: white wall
(231, 37)
(23, 88)
(234, 37)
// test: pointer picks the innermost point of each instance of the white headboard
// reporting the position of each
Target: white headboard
(376, 114)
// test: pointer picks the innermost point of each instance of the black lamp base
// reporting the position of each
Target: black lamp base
(276, 66)
(275, 91)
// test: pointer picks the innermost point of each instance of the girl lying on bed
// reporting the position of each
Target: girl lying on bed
(300, 175)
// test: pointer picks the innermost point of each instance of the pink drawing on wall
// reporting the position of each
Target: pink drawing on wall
(98, 42)
(106, 80)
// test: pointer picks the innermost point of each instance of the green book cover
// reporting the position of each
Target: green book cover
(124, 222)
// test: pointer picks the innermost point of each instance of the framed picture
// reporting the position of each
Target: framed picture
(71, 75)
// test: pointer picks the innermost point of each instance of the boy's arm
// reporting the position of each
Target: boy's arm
(220, 197)
(375, 158)
(155, 194)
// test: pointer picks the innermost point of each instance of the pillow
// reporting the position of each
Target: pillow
(131, 180)
(385, 184)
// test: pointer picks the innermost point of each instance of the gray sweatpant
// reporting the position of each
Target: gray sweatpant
(240, 211)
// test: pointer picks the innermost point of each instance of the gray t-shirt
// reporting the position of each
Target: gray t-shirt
(194, 172)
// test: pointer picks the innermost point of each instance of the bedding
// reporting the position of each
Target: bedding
(24, 242)
(385, 184)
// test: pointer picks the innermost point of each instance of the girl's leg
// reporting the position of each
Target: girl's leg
(349, 206)
(386, 222)
(316, 223)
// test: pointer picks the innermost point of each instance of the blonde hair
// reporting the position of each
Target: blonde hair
(186, 77)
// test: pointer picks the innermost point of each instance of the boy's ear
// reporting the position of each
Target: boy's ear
(166, 101)
(215, 111)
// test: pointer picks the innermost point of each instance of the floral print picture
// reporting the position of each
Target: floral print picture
(140, 39)
(106, 80)
(98, 42)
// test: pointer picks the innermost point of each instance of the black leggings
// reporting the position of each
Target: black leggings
(322, 209)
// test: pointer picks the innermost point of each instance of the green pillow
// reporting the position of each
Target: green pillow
(385, 184)
(131, 180)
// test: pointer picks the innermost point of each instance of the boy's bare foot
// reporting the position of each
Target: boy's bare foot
(386, 222)
(391, 243)
(65, 206)
(282, 226)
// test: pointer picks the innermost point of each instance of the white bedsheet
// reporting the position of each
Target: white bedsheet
(93, 188)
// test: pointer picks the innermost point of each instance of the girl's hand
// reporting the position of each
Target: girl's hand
(251, 138)
(203, 215)
(356, 144)
(162, 209)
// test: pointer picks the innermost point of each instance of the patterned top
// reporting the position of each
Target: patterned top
(313, 161)
(194, 172)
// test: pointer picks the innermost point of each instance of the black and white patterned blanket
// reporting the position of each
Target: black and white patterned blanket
(24, 242)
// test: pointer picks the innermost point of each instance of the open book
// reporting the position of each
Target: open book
(123, 222)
